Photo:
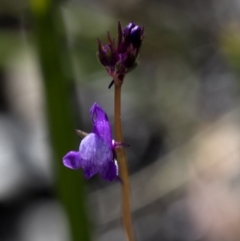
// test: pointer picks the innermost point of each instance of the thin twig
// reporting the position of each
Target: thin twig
(122, 162)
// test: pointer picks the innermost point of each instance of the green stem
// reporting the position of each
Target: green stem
(122, 162)
(69, 185)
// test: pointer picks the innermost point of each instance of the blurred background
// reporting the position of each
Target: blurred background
(180, 113)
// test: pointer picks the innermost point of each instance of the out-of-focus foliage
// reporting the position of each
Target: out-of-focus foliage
(52, 55)
(230, 43)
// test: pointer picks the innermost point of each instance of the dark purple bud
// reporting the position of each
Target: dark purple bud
(128, 28)
(101, 54)
(119, 60)
(129, 59)
(133, 35)
(107, 54)
(122, 48)
(136, 37)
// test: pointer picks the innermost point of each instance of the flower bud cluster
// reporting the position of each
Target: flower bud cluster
(121, 58)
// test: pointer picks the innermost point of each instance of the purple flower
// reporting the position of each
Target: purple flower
(96, 150)
(119, 60)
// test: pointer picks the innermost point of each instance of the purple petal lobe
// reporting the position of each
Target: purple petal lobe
(72, 160)
(95, 153)
(101, 123)
(109, 172)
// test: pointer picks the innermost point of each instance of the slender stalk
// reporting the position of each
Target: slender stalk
(122, 162)
(69, 187)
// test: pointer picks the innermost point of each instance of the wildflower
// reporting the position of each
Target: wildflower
(96, 150)
(119, 60)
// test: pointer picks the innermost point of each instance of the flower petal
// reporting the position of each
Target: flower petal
(101, 123)
(72, 160)
(109, 172)
(95, 153)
